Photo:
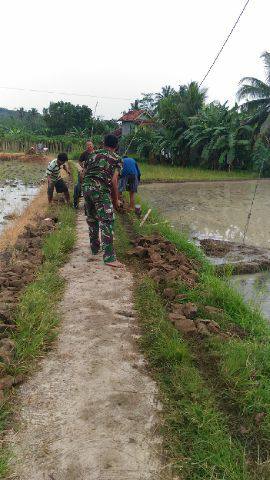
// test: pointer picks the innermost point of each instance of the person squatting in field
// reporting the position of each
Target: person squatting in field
(129, 179)
(100, 189)
(54, 177)
(83, 158)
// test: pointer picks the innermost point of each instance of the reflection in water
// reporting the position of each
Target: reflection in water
(214, 209)
(255, 287)
(13, 199)
(18, 184)
(219, 210)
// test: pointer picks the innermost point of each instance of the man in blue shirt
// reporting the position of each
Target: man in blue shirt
(129, 179)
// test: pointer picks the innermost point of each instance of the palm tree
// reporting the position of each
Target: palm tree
(21, 112)
(33, 112)
(165, 92)
(256, 93)
(192, 97)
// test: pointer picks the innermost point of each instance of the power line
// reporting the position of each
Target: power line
(63, 93)
(212, 65)
(224, 43)
(125, 98)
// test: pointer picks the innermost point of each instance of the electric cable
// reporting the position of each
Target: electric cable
(224, 43)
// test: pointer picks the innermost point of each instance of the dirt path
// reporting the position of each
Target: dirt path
(90, 412)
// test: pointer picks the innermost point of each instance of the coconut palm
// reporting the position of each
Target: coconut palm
(33, 112)
(165, 92)
(21, 112)
(256, 93)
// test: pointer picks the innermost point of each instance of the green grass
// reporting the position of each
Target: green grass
(168, 173)
(196, 437)
(37, 316)
(241, 382)
(240, 362)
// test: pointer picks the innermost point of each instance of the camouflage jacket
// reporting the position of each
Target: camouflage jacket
(99, 170)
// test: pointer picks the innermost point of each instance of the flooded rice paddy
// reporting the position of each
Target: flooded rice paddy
(19, 183)
(219, 210)
(214, 209)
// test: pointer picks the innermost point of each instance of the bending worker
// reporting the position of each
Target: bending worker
(54, 177)
(129, 179)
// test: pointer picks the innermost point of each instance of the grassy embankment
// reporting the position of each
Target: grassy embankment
(36, 315)
(167, 173)
(215, 392)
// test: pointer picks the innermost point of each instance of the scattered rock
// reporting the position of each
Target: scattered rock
(6, 382)
(7, 344)
(169, 293)
(188, 309)
(202, 328)
(6, 355)
(125, 313)
(181, 296)
(48, 221)
(5, 326)
(164, 262)
(259, 417)
(173, 316)
(185, 325)
(141, 251)
(209, 310)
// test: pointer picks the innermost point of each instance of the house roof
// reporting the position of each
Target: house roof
(133, 115)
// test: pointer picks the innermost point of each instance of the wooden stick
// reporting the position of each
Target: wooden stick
(145, 217)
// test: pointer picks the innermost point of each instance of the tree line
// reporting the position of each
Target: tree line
(189, 131)
(186, 130)
(60, 118)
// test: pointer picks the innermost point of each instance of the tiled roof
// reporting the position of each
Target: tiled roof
(133, 115)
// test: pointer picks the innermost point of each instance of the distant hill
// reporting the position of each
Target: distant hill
(5, 112)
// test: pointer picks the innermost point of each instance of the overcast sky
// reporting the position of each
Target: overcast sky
(119, 48)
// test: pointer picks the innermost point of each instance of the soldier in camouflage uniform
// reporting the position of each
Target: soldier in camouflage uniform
(100, 186)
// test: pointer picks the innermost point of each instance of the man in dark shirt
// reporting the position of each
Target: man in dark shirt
(82, 161)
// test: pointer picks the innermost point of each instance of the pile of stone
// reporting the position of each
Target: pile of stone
(185, 319)
(164, 262)
(169, 267)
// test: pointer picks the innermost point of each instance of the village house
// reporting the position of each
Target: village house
(134, 117)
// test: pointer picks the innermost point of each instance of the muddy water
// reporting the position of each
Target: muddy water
(255, 288)
(214, 209)
(219, 210)
(19, 183)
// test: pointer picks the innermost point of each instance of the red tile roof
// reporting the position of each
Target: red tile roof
(133, 115)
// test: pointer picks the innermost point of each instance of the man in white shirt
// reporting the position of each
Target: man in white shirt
(54, 177)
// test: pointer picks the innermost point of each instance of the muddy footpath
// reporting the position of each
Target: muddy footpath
(91, 411)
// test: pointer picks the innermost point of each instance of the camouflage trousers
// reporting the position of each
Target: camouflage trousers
(99, 212)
